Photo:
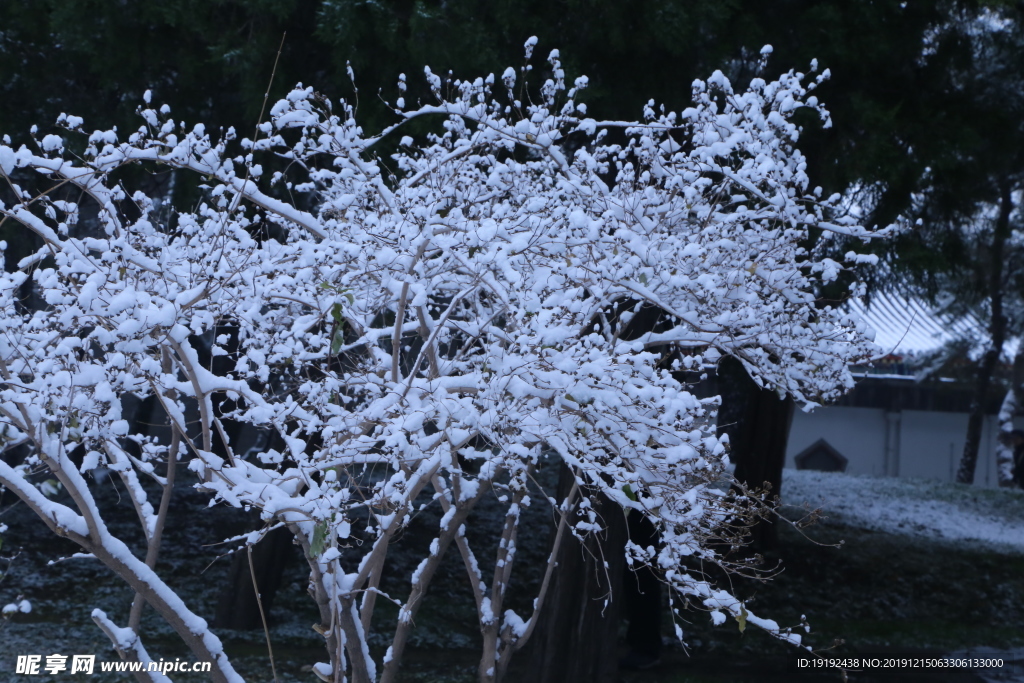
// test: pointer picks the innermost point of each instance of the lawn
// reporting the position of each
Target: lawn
(873, 576)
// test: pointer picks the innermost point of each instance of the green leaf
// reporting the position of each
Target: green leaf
(628, 490)
(336, 312)
(741, 618)
(350, 297)
(319, 539)
(337, 341)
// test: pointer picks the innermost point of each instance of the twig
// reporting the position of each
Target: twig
(263, 616)
(266, 95)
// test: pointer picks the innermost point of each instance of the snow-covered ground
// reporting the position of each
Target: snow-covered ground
(915, 507)
(927, 509)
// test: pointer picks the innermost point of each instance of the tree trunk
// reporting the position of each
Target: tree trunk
(577, 631)
(237, 607)
(997, 335)
(1005, 461)
(757, 422)
(972, 442)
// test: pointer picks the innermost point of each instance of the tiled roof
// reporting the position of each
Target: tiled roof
(908, 326)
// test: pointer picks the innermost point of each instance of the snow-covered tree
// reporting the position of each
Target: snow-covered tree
(430, 323)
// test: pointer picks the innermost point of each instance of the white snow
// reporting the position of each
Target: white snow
(520, 262)
(913, 507)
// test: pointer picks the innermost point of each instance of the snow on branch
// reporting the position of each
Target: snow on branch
(442, 316)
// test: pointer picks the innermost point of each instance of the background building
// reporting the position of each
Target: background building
(894, 423)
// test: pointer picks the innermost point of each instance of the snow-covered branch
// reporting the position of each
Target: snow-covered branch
(442, 323)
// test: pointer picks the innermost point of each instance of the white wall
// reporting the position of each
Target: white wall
(910, 443)
(857, 433)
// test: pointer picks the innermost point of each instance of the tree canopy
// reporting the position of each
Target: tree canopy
(429, 321)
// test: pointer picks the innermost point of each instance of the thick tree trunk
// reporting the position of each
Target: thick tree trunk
(237, 607)
(1005, 461)
(757, 422)
(997, 335)
(972, 442)
(578, 626)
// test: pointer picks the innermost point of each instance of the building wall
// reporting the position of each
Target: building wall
(907, 443)
(857, 433)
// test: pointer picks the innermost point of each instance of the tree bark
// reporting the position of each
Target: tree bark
(757, 422)
(578, 625)
(997, 335)
(1005, 461)
(237, 607)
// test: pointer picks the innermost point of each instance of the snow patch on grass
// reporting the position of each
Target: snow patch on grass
(913, 507)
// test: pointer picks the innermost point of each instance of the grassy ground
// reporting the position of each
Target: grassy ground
(861, 592)
(874, 593)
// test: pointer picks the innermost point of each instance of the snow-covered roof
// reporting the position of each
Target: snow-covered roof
(908, 326)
